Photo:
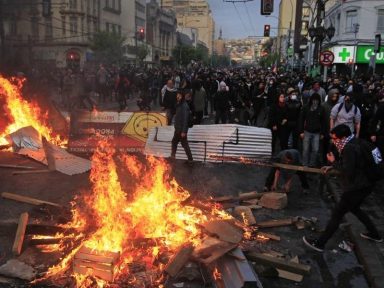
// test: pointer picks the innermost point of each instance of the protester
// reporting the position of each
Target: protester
(346, 113)
(355, 184)
(198, 97)
(222, 104)
(292, 157)
(181, 127)
(312, 129)
(278, 123)
(169, 100)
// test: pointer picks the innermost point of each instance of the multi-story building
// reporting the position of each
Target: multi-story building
(161, 32)
(61, 37)
(356, 24)
(194, 14)
(285, 29)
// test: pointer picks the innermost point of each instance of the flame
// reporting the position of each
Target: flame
(21, 113)
(154, 212)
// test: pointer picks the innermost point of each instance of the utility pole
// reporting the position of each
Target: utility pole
(319, 18)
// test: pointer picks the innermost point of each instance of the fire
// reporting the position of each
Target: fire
(154, 214)
(21, 113)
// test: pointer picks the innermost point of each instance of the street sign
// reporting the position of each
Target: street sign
(327, 58)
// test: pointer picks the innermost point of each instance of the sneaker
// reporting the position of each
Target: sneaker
(313, 244)
(369, 236)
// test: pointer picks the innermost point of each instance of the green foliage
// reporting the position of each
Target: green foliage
(185, 54)
(108, 47)
(269, 60)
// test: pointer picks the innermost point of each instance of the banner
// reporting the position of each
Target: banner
(128, 130)
(364, 54)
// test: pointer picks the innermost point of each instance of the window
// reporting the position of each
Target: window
(73, 26)
(351, 19)
(63, 26)
(337, 26)
(73, 4)
(304, 27)
(380, 20)
(306, 11)
(35, 27)
(106, 3)
(12, 27)
(48, 29)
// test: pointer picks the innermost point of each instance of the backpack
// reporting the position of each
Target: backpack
(373, 164)
(341, 107)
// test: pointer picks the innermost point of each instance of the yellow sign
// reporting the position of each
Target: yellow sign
(140, 123)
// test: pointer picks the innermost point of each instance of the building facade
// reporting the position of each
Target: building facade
(194, 14)
(285, 29)
(356, 24)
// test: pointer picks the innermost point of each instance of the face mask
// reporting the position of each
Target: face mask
(293, 97)
(315, 102)
(271, 82)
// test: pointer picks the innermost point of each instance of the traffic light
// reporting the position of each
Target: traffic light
(267, 29)
(266, 7)
(46, 8)
(141, 34)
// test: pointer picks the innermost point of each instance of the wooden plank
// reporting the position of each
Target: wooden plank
(279, 263)
(45, 241)
(289, 275)
(269, 235)
(102, 274)
(177, 262)
(17, 166)
(275, 223)
(216, 254)
(94, 265)
(26, 199)
(244, 213)
(20, 233)
(88, 254)
(31, 172)
(225, 230)
(249, 196)
(297, 168)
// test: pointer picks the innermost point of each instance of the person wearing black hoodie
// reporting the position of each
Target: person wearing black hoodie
(181, 127)
(377, 124)
(355, 185)
(311, 129)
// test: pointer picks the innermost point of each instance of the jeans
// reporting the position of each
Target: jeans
(311, 145)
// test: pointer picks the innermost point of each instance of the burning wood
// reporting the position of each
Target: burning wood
(102, 264)
(20, 233)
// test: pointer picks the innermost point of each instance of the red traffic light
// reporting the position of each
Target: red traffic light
(141, 30)
(267, 29)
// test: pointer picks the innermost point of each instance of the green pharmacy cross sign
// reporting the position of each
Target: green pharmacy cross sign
(364, 54)
(344, 54)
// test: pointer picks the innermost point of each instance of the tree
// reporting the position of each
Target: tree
(108, 47)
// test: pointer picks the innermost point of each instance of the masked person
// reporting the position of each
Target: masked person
(312, 129)
(355, 185)
(293, 115)
(181, 127)
(346, 113)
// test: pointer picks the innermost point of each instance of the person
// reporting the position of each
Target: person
(346, 113)
(181, 127)
(355, 185)
(316, 88)
(293, 115)
(222, 104)
(377, 124)
(102, 78)
(311, 129)
(288, 156)
(198, 98)
(278, 123)
(168, 101)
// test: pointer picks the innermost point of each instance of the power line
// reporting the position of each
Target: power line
(238, 14)
(249, 18)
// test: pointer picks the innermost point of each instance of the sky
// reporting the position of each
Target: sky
(240, 20)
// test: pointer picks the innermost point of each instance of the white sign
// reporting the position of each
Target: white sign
(343, 54)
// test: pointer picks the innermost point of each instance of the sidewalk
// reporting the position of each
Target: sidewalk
(369, 253)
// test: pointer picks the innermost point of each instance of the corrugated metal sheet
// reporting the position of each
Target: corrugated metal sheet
(64, 162)
(28, 140)
(219, 140)
(236, 273)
